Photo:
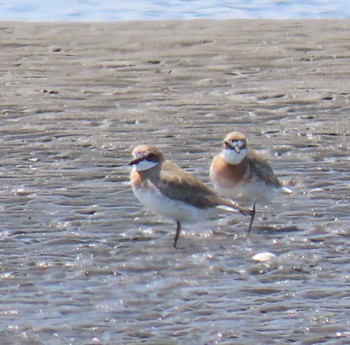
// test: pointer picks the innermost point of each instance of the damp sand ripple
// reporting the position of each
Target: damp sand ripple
(82, 263)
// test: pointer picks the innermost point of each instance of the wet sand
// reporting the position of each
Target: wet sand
(83, 263)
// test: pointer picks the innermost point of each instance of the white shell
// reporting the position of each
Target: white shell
(264, 257)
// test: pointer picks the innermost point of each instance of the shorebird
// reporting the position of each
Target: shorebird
(240, 174)
(170, 192)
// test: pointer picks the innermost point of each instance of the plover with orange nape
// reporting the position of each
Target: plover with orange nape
(170, 192)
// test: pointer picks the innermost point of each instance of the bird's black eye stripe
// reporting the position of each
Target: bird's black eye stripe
(235, 144)
(150, 157)
(228, 145)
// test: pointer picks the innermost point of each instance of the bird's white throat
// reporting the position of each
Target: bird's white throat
(233, 157)
(144, 165)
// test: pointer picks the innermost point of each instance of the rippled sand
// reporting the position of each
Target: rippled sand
(83, 263)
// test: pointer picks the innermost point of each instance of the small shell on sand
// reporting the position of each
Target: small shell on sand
(264, 257)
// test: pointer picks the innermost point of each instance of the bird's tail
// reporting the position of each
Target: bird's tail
(286, 190)
(232, 207)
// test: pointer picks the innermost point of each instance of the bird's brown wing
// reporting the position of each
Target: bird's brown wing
(177, 184)
(260, 169)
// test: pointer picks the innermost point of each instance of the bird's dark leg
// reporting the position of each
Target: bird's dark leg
(252, 218)
(177, 235)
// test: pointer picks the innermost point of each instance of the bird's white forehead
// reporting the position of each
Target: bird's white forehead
(139, 154)
(238, 142)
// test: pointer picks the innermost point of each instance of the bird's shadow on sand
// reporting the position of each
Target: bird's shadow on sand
(274, 229)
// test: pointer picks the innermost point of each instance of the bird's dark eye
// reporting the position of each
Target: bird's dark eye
(150, 157)
(228, 145)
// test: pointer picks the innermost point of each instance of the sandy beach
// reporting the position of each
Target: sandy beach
(174, 70)
(81, 261)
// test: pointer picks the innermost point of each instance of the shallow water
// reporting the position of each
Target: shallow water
(83, 263)
(108, 10)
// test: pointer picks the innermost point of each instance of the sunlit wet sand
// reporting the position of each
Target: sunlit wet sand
(83, 263)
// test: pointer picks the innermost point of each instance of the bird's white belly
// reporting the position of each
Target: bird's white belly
(250, 193)
(168, 208)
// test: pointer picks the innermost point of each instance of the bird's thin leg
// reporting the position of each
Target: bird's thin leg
(177, 235)
(252, 218)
